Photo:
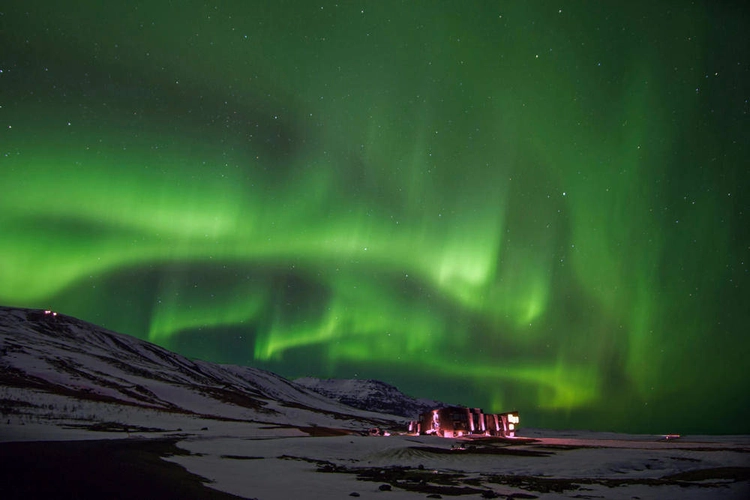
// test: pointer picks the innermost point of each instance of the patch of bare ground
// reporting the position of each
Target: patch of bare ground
(699, 478)
(499, 440)
(13, 407)
(440, 483)
(415, 480)
(422, 481)
(717, 473)
(313, 430)
(316, 431)
(113, 427)
(113, 469)
(482, 450)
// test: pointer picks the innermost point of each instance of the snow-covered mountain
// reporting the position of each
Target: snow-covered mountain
(56, 367)
(371, 395)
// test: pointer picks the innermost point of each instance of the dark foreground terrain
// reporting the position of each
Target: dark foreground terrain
(111, 469)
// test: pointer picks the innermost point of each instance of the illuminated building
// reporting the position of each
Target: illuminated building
(458, 421)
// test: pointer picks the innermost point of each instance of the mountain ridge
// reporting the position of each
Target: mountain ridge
(371, 395)
(51, 364)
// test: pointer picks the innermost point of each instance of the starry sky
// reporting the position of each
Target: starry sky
(536, 206)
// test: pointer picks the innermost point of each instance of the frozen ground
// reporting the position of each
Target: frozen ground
(585, 466)
(268, 463)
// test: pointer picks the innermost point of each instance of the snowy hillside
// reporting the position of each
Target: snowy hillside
(57, 368)
(371, 395)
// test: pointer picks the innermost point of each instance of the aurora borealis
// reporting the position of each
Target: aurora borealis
(511, 205)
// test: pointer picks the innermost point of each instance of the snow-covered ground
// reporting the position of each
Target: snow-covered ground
(586, 465)
(252, 460)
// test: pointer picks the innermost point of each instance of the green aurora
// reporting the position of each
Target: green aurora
(511, 205)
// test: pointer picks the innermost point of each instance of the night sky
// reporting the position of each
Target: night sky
(534, 206)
